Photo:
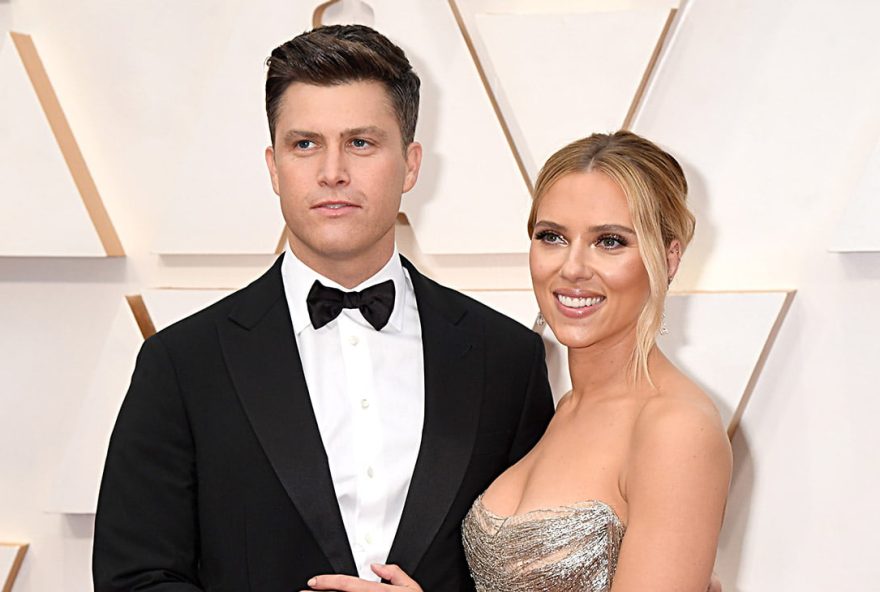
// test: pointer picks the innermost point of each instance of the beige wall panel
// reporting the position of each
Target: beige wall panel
(772, 117)
(42, 211)
(341, 12)
(500, 271)
(169, 306)
(563, 76)
(859, 229)
(559, 6)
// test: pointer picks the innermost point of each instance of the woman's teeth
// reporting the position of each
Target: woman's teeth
(579, 302)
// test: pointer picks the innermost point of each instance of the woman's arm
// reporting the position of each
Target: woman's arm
(675, 484)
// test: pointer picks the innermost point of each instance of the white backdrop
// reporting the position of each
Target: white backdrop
(772, 106)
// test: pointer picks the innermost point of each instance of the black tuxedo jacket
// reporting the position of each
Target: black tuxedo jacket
(216, 477)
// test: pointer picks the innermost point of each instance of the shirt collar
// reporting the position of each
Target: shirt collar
(298, 279)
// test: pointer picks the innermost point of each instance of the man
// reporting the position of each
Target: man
(343, 410)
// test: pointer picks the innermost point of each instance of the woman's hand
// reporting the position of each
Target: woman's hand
(400, 582)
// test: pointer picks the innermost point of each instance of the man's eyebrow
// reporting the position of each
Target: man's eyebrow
(367, 130)
(291, 135)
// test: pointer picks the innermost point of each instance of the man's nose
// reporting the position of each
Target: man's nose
(334, 168)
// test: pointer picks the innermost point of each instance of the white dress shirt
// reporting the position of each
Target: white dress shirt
(367, 388)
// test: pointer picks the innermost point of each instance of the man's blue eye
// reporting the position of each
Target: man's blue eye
(359, 143)
(303, 144)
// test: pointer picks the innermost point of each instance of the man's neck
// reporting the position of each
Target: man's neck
(347, 272)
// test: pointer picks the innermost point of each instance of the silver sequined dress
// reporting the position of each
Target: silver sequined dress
(562, 549)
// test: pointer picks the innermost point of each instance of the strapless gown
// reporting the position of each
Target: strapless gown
(561, 549)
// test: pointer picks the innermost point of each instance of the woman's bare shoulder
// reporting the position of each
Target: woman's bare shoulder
(679, 421)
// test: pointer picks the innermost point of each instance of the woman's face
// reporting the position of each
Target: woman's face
(587, 273)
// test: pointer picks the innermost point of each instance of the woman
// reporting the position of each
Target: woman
(626, 489)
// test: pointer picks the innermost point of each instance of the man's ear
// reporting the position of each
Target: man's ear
(413, 164)
(673, 258)
(273, 172)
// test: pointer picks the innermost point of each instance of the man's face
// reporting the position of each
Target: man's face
(339, 167)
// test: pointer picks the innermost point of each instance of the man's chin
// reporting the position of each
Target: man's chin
(344, 248)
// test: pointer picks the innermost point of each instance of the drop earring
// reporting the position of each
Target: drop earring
(540, 323)
(664, 330)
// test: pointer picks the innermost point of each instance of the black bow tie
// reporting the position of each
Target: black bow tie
(375, 303)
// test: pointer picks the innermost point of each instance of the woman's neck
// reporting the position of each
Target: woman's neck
(605, 368)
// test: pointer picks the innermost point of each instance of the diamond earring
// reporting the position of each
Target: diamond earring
(540, 323)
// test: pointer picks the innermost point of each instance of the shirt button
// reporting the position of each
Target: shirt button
(364, 403)
(368, 539)
(370, 472)
(353, 340)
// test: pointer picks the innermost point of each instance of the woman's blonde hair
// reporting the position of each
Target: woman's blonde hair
(656, 193)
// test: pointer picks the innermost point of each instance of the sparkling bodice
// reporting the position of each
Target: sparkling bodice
(570, 548)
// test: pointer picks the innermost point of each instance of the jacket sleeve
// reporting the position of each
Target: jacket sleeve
(537, 406)
(146, 527)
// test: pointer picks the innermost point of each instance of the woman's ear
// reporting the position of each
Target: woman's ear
(673, 258)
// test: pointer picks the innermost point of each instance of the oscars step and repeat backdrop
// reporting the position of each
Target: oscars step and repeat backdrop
(133, 192)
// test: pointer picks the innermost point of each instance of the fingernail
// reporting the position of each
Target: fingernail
(312, 582)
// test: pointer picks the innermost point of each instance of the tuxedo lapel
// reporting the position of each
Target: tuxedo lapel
(453, 361)
(263, 360)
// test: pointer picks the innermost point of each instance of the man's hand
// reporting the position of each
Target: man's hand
(400, 582)
(714, 584)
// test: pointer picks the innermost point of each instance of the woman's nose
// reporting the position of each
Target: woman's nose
(578, 264)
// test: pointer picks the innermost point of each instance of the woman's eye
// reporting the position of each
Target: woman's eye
(549, 237)
(611, 242)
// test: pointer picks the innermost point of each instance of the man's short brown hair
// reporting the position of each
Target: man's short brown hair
(340, 54)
